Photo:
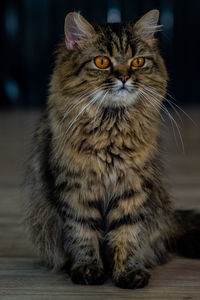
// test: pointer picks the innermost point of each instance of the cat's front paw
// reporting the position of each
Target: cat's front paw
(88, 275)
(132, 280)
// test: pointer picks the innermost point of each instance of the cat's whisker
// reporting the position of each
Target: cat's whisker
(156, 102)
(79, 100)
(82, 97)
(172, 120)
(166, 112)
(162, 107)
(157, 94)
(100, 103)
(93, 100)
(146, 96)
(176, 105)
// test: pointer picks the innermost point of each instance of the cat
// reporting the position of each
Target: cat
(98, 206)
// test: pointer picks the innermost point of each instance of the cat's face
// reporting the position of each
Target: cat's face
(115, 64)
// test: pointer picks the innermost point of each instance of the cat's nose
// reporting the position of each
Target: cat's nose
(124, 78)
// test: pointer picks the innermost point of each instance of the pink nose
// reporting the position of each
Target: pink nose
(124, 78)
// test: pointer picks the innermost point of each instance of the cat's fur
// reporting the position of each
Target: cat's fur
(97, 202)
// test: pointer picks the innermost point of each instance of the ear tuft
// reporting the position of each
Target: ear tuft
(77, 31)
(147, 25)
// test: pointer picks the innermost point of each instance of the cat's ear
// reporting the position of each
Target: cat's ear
(148, 25)
(77, 31)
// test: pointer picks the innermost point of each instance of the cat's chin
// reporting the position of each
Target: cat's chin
(122, 97)
(122, 92)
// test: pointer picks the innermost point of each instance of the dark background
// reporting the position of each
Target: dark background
(30, 30)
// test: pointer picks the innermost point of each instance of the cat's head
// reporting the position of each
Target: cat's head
(113, 64)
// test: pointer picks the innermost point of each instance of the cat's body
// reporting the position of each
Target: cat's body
(97, 198)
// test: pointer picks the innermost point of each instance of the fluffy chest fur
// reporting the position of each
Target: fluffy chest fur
(110, 154)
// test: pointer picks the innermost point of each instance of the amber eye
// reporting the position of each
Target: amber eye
(138, 62)
(102, 62)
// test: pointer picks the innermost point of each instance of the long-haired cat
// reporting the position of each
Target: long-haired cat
(97, 202)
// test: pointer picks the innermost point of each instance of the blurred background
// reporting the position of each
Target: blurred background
(31, 29)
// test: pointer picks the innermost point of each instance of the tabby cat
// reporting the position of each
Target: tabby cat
(97, 203)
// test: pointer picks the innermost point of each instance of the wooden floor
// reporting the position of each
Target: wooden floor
(21, 274)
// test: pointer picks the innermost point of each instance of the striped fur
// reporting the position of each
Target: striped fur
(97, 202)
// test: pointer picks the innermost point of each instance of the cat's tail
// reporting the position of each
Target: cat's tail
(187, 242)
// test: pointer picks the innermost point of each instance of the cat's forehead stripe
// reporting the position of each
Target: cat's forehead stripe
(117, 39)
(118, 34)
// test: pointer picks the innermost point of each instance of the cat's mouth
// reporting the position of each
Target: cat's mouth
(125, 88)
(122, 90)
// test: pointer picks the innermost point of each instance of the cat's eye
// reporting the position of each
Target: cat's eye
(102, 62)
(138, 62)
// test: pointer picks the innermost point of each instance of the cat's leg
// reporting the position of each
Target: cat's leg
(128, 266)
(81, 237)
(44, 226)
(129, 239)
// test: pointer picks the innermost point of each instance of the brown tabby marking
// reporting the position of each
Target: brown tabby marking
(97, 203)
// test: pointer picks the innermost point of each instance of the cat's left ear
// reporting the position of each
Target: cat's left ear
(148, 25)
(77, 31)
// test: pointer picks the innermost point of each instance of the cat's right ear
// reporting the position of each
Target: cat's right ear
(147, 26)
(77, 31)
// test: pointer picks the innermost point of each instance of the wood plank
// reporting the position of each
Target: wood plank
(24, 276)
